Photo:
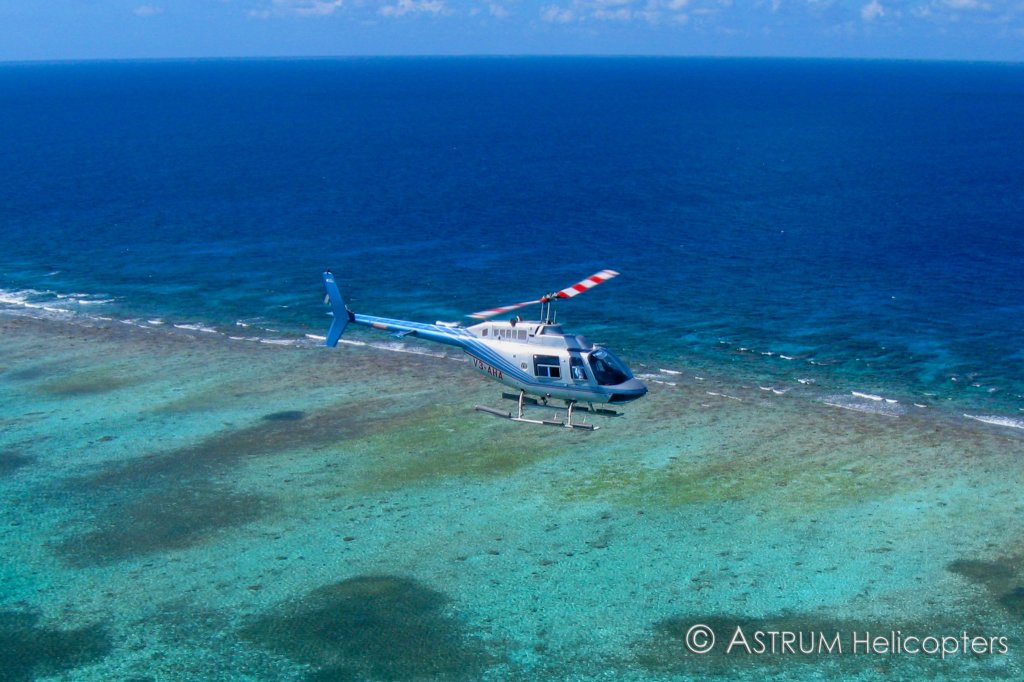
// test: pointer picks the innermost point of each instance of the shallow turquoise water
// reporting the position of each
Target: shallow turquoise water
(180, 505)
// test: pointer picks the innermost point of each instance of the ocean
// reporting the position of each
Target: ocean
(820, 280)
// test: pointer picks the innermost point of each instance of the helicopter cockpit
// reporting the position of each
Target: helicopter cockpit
(607, 368)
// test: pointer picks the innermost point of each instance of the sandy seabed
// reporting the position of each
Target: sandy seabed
(179, 506)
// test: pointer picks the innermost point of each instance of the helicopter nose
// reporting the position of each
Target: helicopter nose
(627, 391)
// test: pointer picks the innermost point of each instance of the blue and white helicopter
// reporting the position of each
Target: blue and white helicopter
(536, 358)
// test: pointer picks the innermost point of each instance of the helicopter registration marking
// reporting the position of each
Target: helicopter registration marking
(484, 367)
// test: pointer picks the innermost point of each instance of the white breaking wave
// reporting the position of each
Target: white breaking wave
(872, 396)
(866, 402)
(394, 347)
(32, 302)
(402, 348)
(84, 299)
(998, 421)
(657, 378)
(196, 328)
(47, 303)
(21, 297)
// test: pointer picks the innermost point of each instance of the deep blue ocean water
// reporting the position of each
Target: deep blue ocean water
(848, 225)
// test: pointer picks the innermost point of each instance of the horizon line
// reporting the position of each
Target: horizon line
(519, 55)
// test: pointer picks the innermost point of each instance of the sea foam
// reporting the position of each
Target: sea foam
(866, 402)
(998, 421)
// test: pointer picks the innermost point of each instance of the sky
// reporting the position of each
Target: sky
(126, 29)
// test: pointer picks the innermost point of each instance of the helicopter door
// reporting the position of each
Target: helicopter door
(577, 370)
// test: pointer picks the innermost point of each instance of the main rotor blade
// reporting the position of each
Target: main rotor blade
(588, 283)
(568, 292)
(484, 314)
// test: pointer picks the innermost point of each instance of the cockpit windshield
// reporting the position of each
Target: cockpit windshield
(608, 369)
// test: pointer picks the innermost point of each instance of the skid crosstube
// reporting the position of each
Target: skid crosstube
(522, 400)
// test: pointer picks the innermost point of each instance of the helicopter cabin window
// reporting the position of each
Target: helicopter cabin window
(484, 332)
(508, 334)
(547, 366)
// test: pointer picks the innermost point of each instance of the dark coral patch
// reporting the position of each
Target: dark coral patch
(372, 627)
(164, 520)
(285, 416)
(92, 382)
(1003, 578)
(1013, 601)
(30, 373)
(11, 461)
(28, 651)
(165, 502)
(228, 449)
(994, 574)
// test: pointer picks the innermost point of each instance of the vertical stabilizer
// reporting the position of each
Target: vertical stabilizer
(342, 316)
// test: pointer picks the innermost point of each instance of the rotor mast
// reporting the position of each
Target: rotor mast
(547, 308)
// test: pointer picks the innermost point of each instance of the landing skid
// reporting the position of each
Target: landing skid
(570, 407)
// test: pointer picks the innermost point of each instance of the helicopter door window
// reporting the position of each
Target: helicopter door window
(547, 366)
(576, 368)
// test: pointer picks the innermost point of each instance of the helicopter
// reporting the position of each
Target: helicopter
(538, 359)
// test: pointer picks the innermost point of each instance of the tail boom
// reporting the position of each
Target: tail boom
(453, 336)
